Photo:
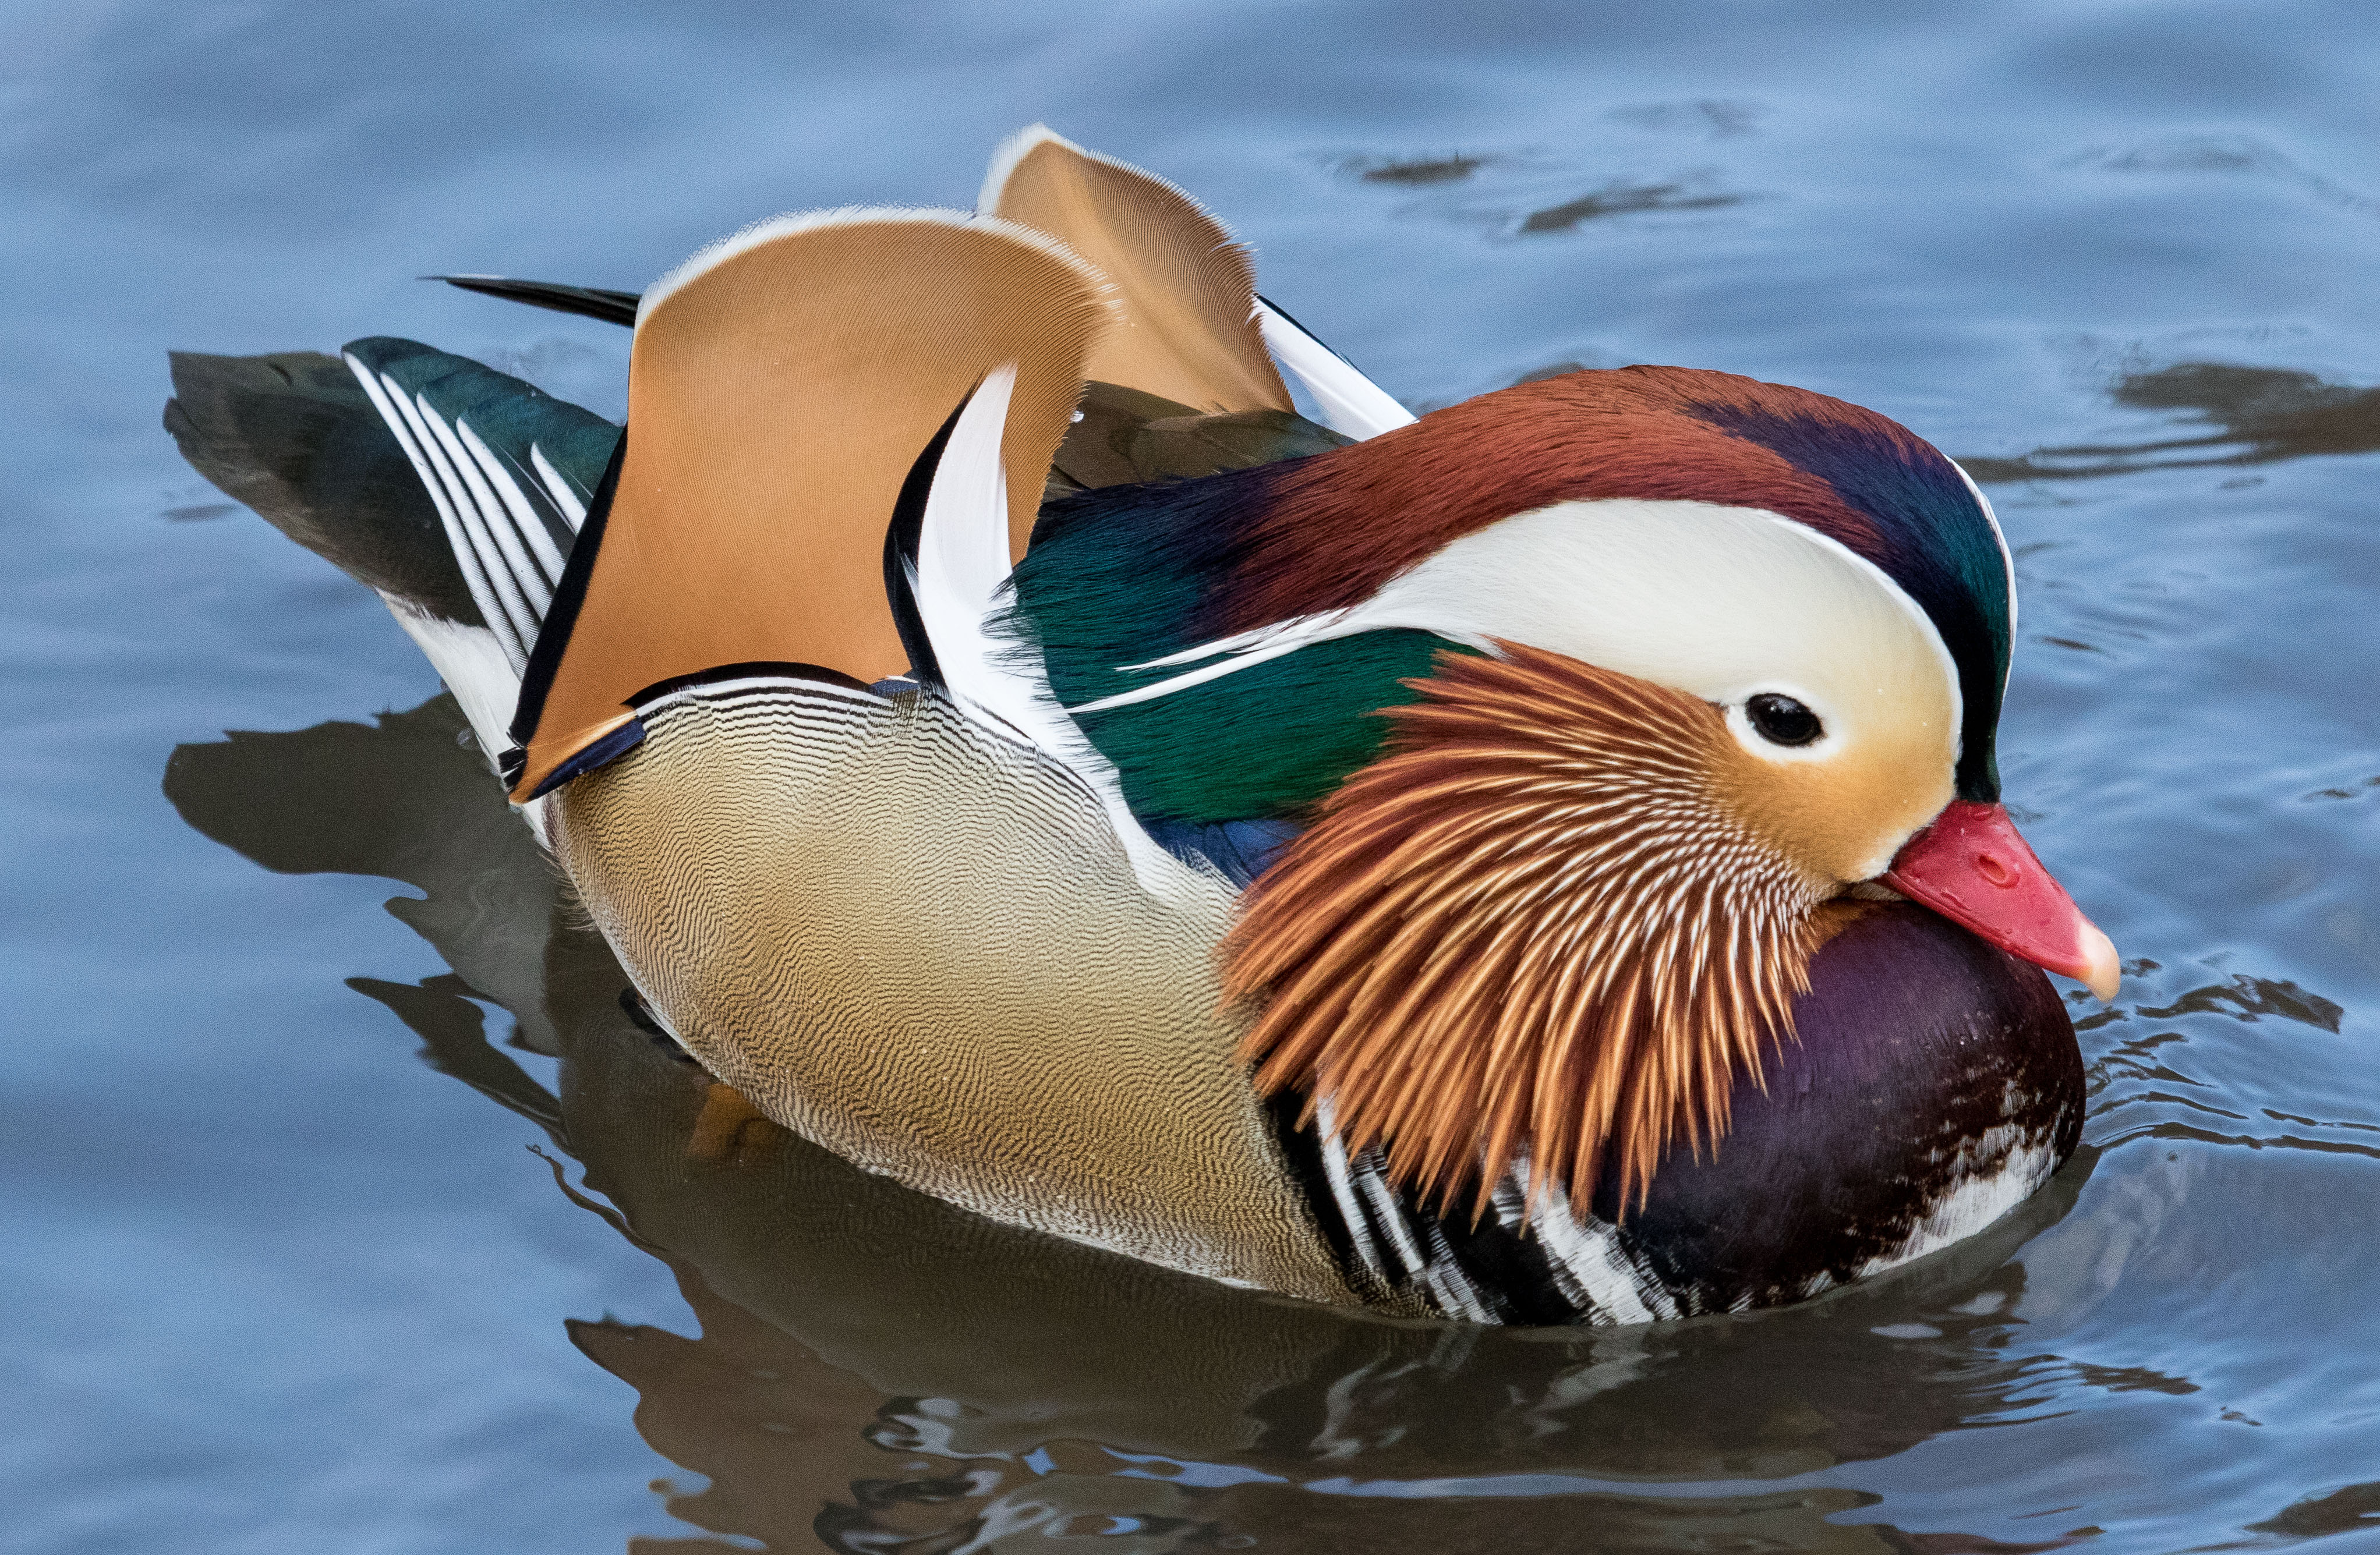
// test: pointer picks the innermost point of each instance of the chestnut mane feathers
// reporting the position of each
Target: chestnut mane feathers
(1533, 924)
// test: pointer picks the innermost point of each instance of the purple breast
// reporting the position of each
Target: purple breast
(1935, 1080)
(1933, 1083)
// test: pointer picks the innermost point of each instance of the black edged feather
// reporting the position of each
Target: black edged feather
(562, 615)
(508, 467)
(587, 302)
(901, 537)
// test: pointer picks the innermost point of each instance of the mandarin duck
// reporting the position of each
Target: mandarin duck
(1542, 862)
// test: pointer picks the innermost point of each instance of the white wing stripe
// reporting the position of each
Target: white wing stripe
(521, 618)
(1281, 646)
(1350, 401)
(1305, 628)
(499, 523)
(526, 519)
(474, 579)
(574, 509)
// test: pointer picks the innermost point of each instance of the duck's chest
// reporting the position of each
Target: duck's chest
(1934, 1085)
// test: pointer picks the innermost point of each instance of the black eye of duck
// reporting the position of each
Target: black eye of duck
(1782, 720)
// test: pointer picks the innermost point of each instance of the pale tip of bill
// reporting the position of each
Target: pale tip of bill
(2101, 972)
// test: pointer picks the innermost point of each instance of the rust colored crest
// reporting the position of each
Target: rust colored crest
(1536, 922)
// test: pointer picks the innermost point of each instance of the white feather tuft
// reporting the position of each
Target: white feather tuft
(480, 673)
(472, 663)
(959, 584)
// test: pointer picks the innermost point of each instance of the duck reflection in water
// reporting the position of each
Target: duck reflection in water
(880, 1370)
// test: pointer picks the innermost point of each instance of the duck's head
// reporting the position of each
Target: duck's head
(1591, 693)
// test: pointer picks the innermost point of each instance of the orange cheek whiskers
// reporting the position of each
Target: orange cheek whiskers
(1531, 925)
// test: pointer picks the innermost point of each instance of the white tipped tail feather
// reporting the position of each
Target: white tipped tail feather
(1350, 401)
(500, 543)
(508, 558)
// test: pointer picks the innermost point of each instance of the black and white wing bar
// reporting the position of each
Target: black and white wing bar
(501, 520)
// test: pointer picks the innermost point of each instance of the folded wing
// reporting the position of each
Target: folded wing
(1185, 292)
(782, 389)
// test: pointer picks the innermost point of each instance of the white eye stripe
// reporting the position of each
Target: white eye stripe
(1718, 602)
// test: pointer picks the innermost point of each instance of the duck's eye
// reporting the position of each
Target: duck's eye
(1782, 720)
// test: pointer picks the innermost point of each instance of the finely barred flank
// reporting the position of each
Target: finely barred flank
(1537, 924)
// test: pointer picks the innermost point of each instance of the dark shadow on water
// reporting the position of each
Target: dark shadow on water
(2356, 1507)
(2253, 415)
(1520, 195)
(1414, 171)
(877, 1370)
(1620, 199)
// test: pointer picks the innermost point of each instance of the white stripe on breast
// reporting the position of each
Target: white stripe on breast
(1588, 1265)
(1994, 1173)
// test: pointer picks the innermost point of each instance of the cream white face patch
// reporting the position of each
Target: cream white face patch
(1722, 603)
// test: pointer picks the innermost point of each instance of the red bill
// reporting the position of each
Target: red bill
(1973, 868)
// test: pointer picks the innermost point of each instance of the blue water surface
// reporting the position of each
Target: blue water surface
(273, 1282)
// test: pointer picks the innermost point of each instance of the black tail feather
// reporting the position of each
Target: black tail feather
(589, 302)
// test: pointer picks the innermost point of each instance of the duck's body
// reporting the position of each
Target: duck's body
(1062, 1061)
(1402, 773)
